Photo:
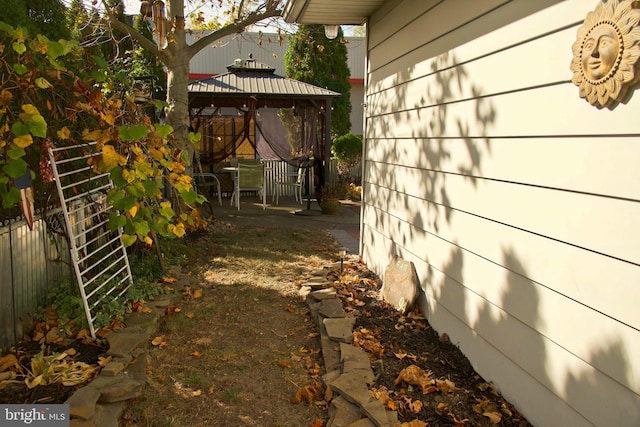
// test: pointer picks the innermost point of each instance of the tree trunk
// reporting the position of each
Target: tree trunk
(176, 57)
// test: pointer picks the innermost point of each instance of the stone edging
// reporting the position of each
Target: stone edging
(348, 369)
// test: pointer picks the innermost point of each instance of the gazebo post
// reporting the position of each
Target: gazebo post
(327, 140)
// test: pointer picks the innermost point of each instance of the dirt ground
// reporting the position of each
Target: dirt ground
(241, 346)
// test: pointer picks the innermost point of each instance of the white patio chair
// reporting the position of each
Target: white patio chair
(293, 180)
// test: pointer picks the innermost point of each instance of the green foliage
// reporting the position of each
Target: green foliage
(66, 301)
(53, 95)
(347, 149)
(312, 58)
(46, 17)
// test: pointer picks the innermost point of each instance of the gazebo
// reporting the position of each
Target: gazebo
(225, 109)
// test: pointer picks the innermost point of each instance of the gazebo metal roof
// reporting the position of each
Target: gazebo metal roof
(249, 79)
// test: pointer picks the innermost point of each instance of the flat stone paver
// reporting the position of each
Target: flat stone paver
(331, 308)
(340, 329)
(82, 403)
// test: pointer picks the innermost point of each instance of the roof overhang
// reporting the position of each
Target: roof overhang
(332, 12)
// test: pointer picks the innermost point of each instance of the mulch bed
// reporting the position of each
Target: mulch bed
(455, 395)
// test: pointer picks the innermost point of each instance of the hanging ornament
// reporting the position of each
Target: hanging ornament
(159, 22)
(25, 185)
(145, 9)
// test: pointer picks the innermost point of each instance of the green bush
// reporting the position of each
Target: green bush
(347, 149)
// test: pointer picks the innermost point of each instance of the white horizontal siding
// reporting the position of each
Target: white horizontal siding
(522, 161)
(517, 200)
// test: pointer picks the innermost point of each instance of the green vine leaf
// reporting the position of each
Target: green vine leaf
(19, 48)
(11, 197)
(15, 168)
(128, 240)
(132, 133)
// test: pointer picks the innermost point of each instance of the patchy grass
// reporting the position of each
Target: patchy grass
(242, 342)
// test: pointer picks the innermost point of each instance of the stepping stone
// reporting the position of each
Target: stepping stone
(123, 343)
(401, 285)
(82, 403)
(340, 329)
(376, 412)
(330, 355)
(122, 390)
(352, 387)
(331, 308)
(343, 413)
(323, 294)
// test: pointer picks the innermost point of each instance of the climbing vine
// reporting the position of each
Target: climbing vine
(51, 94)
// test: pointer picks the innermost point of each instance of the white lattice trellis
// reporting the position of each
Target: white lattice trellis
(100, 261)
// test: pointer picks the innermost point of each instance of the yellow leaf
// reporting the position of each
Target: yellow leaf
(157, 340)
(92, 136)
(134, 210)
(197, 354)
(147, 240)
(64, 133)
(30, 109)
(178, 229)
(111, 158)
(23, 141)
(197, 293)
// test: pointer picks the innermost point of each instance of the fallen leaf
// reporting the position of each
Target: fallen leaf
(416, 406)
(158, 340)
(414, 423)
(446, 386)
(442, 408)
(291, 308)
(197, 293)
(204, 341)
(414, 375)
(197, 354)
(7, 362)
(173, 309)
(456, 421)
(317, 423)
(494, 417)
(104, 361)
(165, 279)
(189, 315)
(284, 364)
(308, 393)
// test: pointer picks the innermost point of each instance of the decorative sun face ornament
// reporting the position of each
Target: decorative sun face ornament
(606, 51)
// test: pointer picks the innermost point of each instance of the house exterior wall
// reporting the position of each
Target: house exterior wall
(517, 201)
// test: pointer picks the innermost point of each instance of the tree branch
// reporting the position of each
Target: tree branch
(236, 27)
(149, 45)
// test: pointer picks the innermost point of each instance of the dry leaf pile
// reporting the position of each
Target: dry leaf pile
(419, 373)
